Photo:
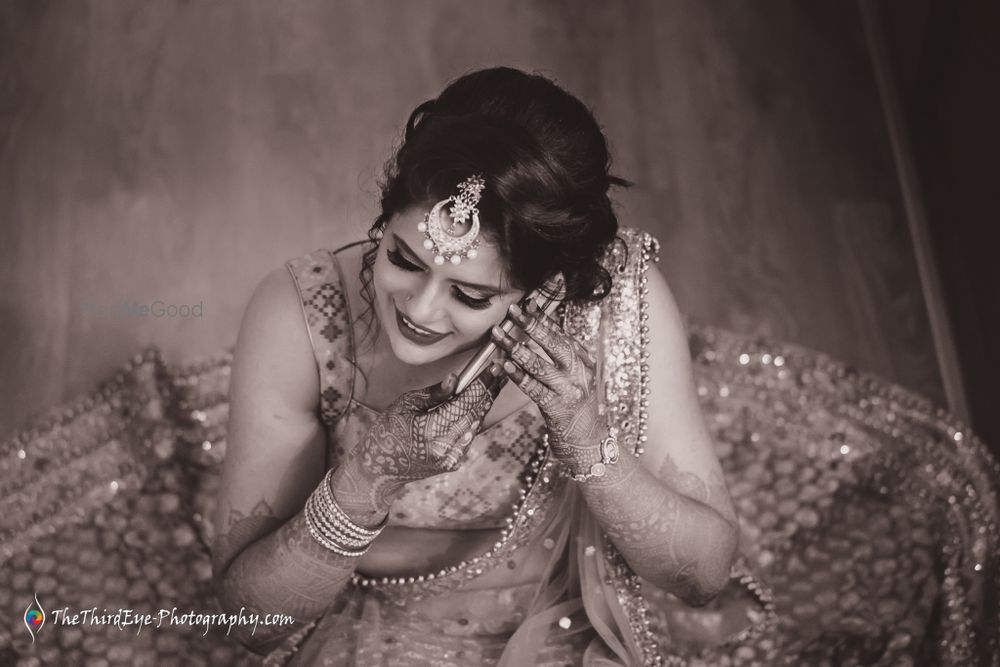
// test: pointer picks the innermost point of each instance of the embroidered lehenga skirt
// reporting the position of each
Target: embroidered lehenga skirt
(869, 530)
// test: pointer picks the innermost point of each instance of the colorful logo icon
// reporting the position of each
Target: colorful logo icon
(34, 618)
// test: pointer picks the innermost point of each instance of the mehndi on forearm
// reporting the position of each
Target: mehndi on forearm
(677, 542)
(287, 572)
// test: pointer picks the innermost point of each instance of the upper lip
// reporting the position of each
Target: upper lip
(421, 327)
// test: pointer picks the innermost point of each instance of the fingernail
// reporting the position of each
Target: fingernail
(514, 310)
(532, 306)
(509, 367)
(495, 370)
(497, 331)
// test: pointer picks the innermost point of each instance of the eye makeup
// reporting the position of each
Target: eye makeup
(472, 302)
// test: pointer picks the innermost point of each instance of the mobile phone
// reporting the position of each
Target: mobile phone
(547, 297)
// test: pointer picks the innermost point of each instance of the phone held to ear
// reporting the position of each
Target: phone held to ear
(547, 297)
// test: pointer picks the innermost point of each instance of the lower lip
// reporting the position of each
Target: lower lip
(413, 336)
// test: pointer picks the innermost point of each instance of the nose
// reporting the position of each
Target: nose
(423, 306)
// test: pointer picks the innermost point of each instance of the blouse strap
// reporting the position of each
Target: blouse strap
(325, 310)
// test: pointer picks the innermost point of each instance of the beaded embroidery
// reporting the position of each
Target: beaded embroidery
(864, 508)
(584, 324)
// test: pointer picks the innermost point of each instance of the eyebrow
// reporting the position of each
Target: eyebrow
(409, 250)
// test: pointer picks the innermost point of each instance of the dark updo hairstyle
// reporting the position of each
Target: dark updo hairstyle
(546, 165)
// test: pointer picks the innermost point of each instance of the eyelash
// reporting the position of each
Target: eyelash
(477, 304)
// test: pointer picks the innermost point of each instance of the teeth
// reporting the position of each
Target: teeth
(413, 328)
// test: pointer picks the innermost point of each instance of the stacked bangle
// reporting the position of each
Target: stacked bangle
(330, 526)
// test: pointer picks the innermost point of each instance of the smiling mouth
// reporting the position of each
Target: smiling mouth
(409, 327)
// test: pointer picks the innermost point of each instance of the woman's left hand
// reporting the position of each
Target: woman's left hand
(564, 391)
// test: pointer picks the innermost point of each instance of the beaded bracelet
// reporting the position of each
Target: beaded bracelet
(609, 456)
(331, 527)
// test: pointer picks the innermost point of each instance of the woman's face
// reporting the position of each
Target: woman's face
(453, 305)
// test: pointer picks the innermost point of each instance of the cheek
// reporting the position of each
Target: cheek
(474, 324)
(386, 280)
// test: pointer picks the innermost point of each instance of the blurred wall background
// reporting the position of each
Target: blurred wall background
(178, 150)
(947, 59)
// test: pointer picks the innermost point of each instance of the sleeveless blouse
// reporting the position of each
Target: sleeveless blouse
(870, 521)
(481, 493)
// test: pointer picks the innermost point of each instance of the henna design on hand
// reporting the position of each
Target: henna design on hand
(683, 544)
(414, 438)
(565, 389)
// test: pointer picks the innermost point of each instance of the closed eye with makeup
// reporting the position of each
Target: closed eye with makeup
(397, 258)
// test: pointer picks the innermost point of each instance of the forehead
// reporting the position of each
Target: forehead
(487, 268)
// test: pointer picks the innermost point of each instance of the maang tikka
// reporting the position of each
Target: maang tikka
(459, 238)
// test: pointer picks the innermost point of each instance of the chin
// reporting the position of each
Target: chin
(415, 355)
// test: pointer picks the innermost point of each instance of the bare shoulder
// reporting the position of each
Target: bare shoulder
(274, 343)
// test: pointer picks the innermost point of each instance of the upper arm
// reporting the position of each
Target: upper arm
(275, 446)
(679, 449)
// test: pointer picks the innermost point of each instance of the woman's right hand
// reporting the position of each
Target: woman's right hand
(421, 434)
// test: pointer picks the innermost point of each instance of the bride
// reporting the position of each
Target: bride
(402, 519)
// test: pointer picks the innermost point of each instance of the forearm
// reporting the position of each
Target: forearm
(290, 572)
(286, 572)
(676, 542)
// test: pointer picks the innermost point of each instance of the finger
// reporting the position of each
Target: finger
(549, 329)
(428, 397)
(528, 359)
(460, 435)
(584, 355)
(491, 381)
(416, 400)
(441, 391)
(535, 366)
(472, 419)
(456, 453)
(547, 333)
(534, 389)
(465, 410)
(440, 448)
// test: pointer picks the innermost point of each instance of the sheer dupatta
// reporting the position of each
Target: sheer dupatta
(589, 588)
(589, 607)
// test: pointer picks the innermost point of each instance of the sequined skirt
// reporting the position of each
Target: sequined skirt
(870, 515)
(450, 630)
